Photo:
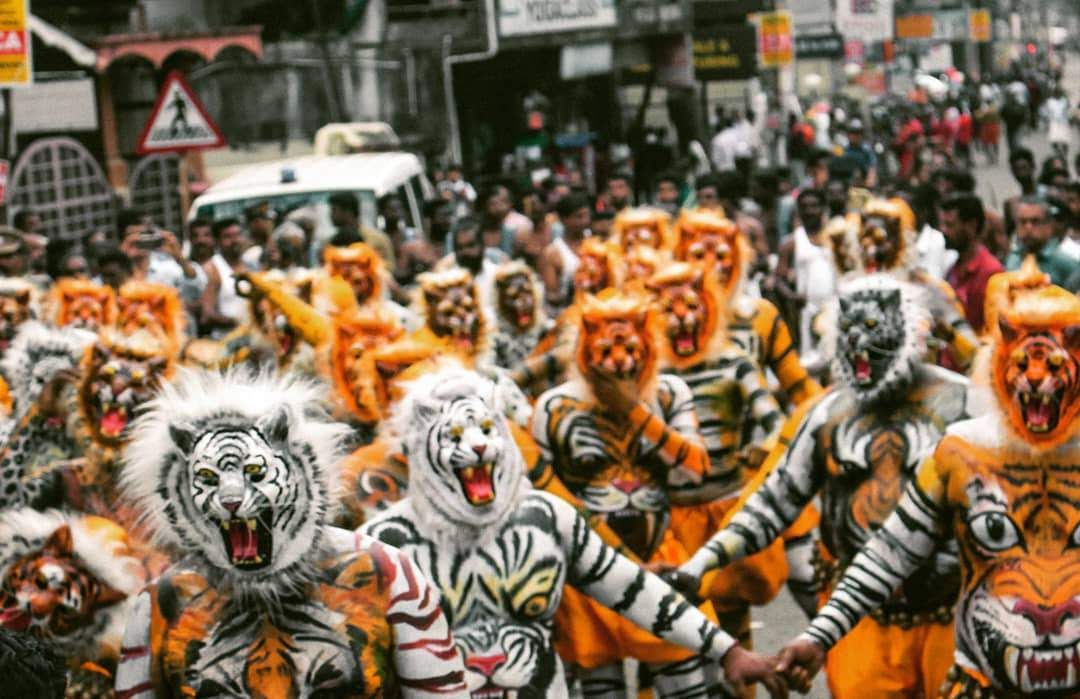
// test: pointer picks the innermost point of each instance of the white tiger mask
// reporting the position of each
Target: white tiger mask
(239, 473)
(463, 462)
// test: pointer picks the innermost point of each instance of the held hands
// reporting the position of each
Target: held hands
(741, 667)
(685, 584)
(799, 661)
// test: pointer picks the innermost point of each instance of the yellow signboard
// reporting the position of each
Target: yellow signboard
(15, 64)
(776, 44)
(979, 25)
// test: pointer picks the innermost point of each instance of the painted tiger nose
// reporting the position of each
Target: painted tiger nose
(479, 449)
(486, 665)
(231, 506)
(1047, 620)
(626, 485)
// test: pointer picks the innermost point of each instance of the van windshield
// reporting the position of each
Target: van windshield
(283, 204)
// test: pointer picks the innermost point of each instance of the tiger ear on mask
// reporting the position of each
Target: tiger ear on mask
(425, 412)
(1009, 333)
(276, 426)
(106, 596)
(60, 543)
(183, 436)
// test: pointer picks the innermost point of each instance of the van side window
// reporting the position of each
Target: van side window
(406, 204)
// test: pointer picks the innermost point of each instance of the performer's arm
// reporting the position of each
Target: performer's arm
(134, 677)
(675, 434)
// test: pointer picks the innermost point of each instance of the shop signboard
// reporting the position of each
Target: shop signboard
(725, 52)
(524, 17)
(15, 62)
(865, 20)
(980, 26)
(775, 43)
(728, 10)
(819, 45)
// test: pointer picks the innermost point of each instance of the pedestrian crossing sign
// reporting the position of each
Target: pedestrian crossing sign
(179, 122)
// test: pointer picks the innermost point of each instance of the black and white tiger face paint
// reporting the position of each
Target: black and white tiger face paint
(502, 658)
(877, 338)
(463, 462)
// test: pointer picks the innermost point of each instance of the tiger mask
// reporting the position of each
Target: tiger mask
(16, 307)
(710, 239)
(642, 262)
(598, 269)
(240, 473)
(877, 337)
(37, 356)
(503, 658)
(353, 369)
(642, 227)
(690, 304)
(65, 579)
(273, 323)
(518, 297)
(884, 240)
(452, 307)
(83, 304)
(119, 374)
(1036, 363)
(361, 268)
(155, 308)
(617, 336)
(464, 466)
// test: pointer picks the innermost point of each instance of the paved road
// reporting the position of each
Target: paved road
(781, 619)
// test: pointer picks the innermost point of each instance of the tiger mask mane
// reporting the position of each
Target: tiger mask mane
(710, 239)
(1035, 373)
(352, 366)
(153, 307)
(876, 336)
(83, 304)
(599, 268)
(240, 473)
(691, 306)
(886, 239)
(617, 334)
(464, 466)
(361, 268)
(644, 227)
(17, 305)
(38, 354)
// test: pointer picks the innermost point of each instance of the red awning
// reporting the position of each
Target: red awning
(156, 47)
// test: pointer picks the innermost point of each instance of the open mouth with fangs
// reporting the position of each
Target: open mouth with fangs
(114, 418)
(683, 342)
(249, 542)
(524, 319)
(1044, 669)
(494, 693)
(861, 367)
(15, 617)
(476, 483)
(1040, 409)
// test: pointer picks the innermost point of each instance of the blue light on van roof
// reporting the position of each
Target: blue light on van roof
(288, 175)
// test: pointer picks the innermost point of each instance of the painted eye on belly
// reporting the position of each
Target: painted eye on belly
(995, 532)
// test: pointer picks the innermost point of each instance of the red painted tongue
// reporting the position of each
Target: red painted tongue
(524, 319)
(113, 423)
(1038, 414)
(684, 343)
(862, 368)
(242, 540)
(478, 487)
(15, 619)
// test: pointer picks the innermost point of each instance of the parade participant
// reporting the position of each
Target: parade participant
(352, 369)
(453, 314)
(1001, 485)
(646, 226)
(222, 309)
(887, 245)
(39, 355)
(155, 308)
(756, 326)
(82, 304)
(238, 476)
(733, 403)
(503, 553)
(69, 580)
(18, 304)
(559, 262)
(857, 447)
(641, 263)
(520, 321)
(364, 270)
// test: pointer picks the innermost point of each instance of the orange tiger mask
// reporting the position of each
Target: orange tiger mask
(644, 226)
(352, 367)
(83, 304)
(16, 307)
(714, 241)
(153, 307)
(690, 304)
(643, 262)
(617, 335)
(1036, 365)
(599, 267)
(361, 268)
(452, 308)
(884, 238)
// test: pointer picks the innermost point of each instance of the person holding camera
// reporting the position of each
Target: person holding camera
(156, 256)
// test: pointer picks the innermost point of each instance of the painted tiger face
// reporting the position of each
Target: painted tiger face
(50, 593)
(117, 379)
(517, 300)
(83, 304)
(870, 335)
(646, 227)
(1019, 614)
(616, 337)
(352, 366)
(467, 445)
(505, 659)
(360, 266)
(1036, 378)
(242, 487)
(689, 311)
(709, 239)
(14, 311)
(454, 312)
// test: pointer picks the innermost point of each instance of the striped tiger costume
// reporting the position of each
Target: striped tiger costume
(269, 600)
(503, 554)
(1004, 487)
(856, 448)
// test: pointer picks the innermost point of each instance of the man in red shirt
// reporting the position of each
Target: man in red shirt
(962, 219)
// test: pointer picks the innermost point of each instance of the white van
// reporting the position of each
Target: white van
(310, 180)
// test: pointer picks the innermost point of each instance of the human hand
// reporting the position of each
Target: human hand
(685, 584)
(619, 396)
(799, 661)
(742, 667)
(171, 246)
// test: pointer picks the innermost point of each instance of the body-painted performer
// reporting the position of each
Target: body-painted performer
(503, 553)
(887, 244)
(69, 580)
(454, 318)
(857, 447)
(708, 238)
(269, 600)
(1003, 485)
(732, 401)
(365, 273)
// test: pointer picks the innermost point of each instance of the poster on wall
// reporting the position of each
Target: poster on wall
(523, 17)
(15, 64)
(865, 20)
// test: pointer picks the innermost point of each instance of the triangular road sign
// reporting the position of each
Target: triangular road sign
(179, 122)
